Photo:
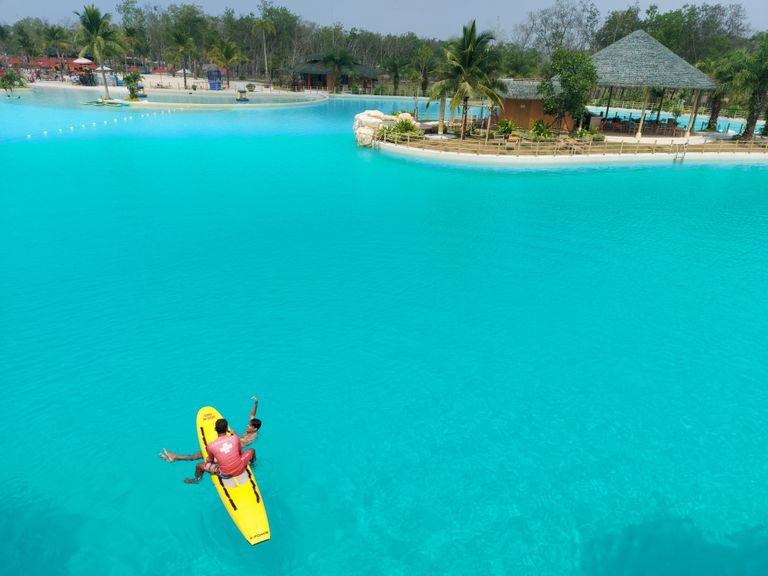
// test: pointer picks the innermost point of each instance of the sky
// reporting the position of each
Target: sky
(428, 18)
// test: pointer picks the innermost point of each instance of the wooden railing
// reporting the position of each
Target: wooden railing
(567, 146)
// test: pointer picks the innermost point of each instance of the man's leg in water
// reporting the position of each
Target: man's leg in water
(171, 457)
(249, 457)
(200, 469)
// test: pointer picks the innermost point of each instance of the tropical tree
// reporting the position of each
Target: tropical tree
(395, 66)
(519, 62)
(26, 41)
(267, 28)
(723, 70)
(181, 45)
(752, 76)
(445, 86)
(10, 80)
(618, 24)
(132, 80)
(98, 38)
(339, 61)
(571, 76)
(225, 54)
(56, 38)
(424, 64)
(469, 72)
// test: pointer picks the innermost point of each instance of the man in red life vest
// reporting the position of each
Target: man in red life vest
(246, 438)
(225, 456)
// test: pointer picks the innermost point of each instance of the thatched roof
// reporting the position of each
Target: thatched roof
(357, 70)
(525, 89)
(639, 60)
(520, 89)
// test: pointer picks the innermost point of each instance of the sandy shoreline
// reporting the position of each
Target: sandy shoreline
(119, 95)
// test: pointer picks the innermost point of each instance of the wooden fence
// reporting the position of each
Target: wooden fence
(568, 146)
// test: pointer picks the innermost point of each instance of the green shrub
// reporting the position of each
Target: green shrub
(589, 134)
(401, 128)
(131, 81)
(10, 80)
(539, 128)
(582, 133)
(506, 127)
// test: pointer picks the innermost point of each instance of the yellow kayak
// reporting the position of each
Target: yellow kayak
(240, 495)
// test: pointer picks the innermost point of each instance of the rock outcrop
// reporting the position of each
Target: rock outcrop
(367, 124)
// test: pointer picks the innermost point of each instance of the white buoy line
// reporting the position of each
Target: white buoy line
(115, 120)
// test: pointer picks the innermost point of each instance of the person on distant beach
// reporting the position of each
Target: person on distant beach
(246, 438)
(225, 456)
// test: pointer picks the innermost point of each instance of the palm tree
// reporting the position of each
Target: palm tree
(225, 53)
(441, 90)
(723, 70)
(752, 76)
(132, 37)
(395, 66)
(57, 38)
(424, 62)
(468, 72)
(98, 38)
(181, 46)
(339, 61)
(267, 28)
(27, 43)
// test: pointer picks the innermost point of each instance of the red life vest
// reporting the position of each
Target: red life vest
(226, 452)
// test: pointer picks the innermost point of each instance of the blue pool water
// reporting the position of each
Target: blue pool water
(725, 124)
(461, 371)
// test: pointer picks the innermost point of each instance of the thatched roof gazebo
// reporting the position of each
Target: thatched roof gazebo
(314, 73)
(640, 61)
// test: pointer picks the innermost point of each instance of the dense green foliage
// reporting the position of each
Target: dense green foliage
(470, 71)
(98, 38)
(10, 80)
(131, 80)
(570, 78)
(539, 128)
(401, 128)
(505, 127)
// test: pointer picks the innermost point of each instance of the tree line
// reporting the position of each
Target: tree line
(273, 42)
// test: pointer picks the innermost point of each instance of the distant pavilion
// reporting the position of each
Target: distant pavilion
(640, 61)
(315, 74)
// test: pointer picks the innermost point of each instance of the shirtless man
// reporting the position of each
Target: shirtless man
(247, 438)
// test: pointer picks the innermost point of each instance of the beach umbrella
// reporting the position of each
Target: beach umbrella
(83, 61)
(104, 69)
(184, 71)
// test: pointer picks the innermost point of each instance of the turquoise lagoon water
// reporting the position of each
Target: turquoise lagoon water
(461, 371)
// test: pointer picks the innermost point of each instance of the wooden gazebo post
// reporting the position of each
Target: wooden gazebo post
(694, 113)
(608, 105)
(661, 103)
(488, 125)
(642, 115)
